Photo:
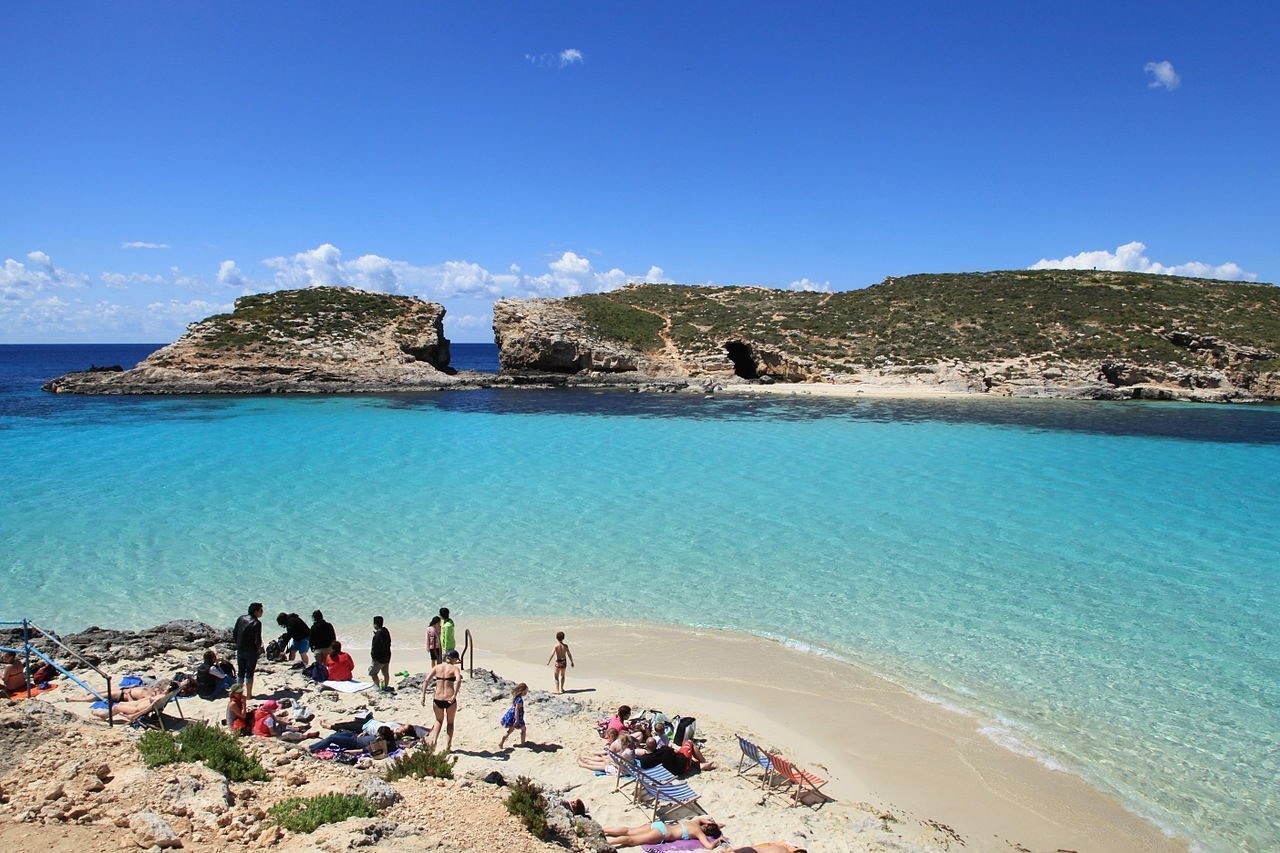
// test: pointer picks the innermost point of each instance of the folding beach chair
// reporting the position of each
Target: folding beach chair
(156, 711)
(666, 794)
(629, 773)
(792, 776)
(753, 756)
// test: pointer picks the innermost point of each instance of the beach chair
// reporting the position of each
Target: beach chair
(673, 794)
(629, 773)
(802, 781)
(154, 714)
(753, 756)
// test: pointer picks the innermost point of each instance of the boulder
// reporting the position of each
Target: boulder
(151, 830)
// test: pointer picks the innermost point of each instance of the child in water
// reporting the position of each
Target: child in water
(562, 656)
(514, 717)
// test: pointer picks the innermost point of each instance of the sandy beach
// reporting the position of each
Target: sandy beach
(904, 773)
(879, 745)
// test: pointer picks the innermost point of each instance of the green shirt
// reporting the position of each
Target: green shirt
(446, 635)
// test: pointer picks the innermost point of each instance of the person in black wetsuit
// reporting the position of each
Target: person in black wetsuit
(322, 636)
(248, 639)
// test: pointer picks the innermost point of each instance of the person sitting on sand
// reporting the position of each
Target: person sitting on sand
(704, 830)
(341, 666)
(14, 676)
(447, 678)
(681, 760)
(214, 676)
(599, 760)
(238, 710)
(270, 721)
(619, 720)
(563, 657)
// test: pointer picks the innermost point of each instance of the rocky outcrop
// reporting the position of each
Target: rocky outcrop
(1055, 333)
(108, 645)
(320, 339)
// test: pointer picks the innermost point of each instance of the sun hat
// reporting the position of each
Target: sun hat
(270, 705)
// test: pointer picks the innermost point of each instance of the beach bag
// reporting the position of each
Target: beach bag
(684, 728)
(317, 672)
(509, 718)
(276, 649)
(346, 758)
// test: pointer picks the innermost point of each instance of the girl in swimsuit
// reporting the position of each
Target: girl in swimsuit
(704, 830)
(447, 678)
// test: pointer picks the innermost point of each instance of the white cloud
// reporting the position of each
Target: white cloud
(229, 274)
(1163, 75)
(569, 274)
(563, 59)
(21, 279)
(810, 286)
(139, 244)
(1130, 258)
(121, 281)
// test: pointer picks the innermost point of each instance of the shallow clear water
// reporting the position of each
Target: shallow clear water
(1099, 580)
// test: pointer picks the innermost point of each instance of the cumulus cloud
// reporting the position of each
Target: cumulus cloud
(568, 275)
(1162, 75)
(563, 59)
(1131, 258)
(121, 281)
(21, 279)
(229, 275)
(810, 286)
(140, 244)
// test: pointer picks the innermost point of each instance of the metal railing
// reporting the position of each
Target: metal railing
(31, 631)
(468, 646)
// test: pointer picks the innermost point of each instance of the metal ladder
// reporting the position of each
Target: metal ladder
(30, 632)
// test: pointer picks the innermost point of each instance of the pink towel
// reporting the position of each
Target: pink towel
(688, 844)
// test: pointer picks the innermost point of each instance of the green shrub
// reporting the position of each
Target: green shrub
(421, 763)
(219, 750)
(157, 748)
(525, 802)
(305, 814)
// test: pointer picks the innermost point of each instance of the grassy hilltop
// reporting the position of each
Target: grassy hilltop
(1070, 315)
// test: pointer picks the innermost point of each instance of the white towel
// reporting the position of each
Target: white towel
(347, 686)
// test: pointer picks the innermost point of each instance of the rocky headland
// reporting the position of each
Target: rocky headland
(1043, 333)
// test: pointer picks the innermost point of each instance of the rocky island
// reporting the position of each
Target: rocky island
(1024, 333)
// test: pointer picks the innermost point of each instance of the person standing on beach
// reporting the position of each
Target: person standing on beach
(563, 657)
(380, 654)
(433, 641)
(447, 641)
(247, 635)
(322, 636)
(447, 678)
(514, 717)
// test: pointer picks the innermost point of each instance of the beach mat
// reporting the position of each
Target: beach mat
(35, 691)
(347, 686)
(689, 844)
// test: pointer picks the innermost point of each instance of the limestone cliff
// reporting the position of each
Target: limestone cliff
(316, 339)
(1059, 333)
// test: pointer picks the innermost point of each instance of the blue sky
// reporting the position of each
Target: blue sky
(461, 152)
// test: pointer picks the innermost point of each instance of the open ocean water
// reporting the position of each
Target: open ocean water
(1098, 581)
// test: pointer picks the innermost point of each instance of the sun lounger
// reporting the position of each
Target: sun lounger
(156, 710)
(665, 794)
(753, 756)
(802, 781)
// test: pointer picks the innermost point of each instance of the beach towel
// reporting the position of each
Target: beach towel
(347, 686)
(35, 691)
(130, 681)
(686, 844)
(100, 705)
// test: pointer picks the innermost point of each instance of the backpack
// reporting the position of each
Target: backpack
(317, 672)
(276, 649)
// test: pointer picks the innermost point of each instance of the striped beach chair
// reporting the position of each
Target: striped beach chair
(664, 795)
(753, 757)
(802, 781)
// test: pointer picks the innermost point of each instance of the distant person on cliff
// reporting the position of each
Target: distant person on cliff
(247, 635)
(380, 654)
(563, 657)
(299, 636)
(447, 641)
(447, 678)
(340, 665)
(433, 641)
(322, 636)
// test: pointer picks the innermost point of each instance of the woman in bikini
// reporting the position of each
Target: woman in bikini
(447, 678)
(704, 830)
(122, 694)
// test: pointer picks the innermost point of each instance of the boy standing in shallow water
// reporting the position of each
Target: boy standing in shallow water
(563, 657)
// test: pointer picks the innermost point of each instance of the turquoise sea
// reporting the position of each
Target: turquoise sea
(1100, 582)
